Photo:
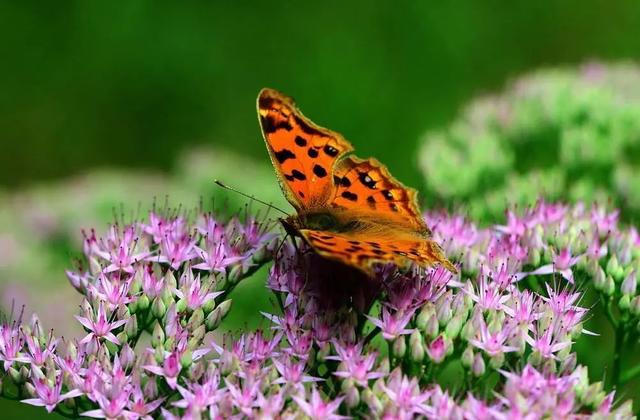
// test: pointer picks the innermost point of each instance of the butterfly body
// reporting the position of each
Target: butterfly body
(347, 209)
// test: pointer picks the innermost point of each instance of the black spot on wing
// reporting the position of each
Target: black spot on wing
(393, 207)
(301, 141)
(387, 195)
(313, 153)
(266, 102)
(319, 171)
(371, 201)
(349, 196)
(345, 182)
(330, 150)
(284, 154)
(269, 125)
(306, 127)
(366, 180)
(298, 175)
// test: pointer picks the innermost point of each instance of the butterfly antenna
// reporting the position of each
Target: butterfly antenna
(250, 197)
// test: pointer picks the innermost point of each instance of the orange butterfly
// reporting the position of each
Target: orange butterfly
(348, 209)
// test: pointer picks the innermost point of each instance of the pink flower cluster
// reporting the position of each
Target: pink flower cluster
(338, 344)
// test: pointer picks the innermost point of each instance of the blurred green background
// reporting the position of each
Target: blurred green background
(107, 105)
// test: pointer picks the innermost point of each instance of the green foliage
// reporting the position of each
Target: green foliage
(570, 134)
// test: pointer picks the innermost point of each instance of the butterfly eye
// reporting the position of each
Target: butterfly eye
(321, 221)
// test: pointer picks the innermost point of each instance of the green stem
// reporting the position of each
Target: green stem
(617, 356)
(630, 374)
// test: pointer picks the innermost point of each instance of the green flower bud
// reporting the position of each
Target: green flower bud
(535, 358)
(467, 357)
(196, 319)
(131, 326)
(599, 279)
(478, 368)
(614, 269)
(416, 346)
(158, 308)
(594, 395)
(609, 287)
(624, 303)
(157, 337)
(235, 274)
(133, 307)
(424, 315)
(181, 306)
(198, 335)
(496, 361)
(349, 389)
(186, 359)
(113, 348)
(454, 326)
(209, 306)
(158, 355)
(634, 306)
(169, 343)
(143, 303)
(373, 402)
(432, 329)
(216, 316)
(170, 281)
(399, 347)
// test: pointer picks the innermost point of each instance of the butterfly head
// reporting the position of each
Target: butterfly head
(316, 221)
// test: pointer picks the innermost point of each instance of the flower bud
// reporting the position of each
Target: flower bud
(614, 269)
(235, 274)
(384, 366)
(157, 337)
(186, 359)
(569, 363)
(209, 306)
(496, 361)
(467, 357)
(416, 346)
(181, 306)
(624, 303)
(113, 348)
(131, 326)
(478, 368)
(433, 327)
(197, 337)
(437, 349)
(634, 306)
(170, 281)
(454, 326)
(599, 279)
(399, 347)
(158, 308)
(629, 284)
(127, 356)
(143, 303)
(443, 309)
(535, 257)
(95, 267)
(216, 316)
(424, 315)
(372, 401)
(594, 395)
(196, 319)
(158, 355)
(349, 389)
(29, 389)
(609, 287)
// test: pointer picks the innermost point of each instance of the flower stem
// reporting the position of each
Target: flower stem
(617, 356)
(630, 374)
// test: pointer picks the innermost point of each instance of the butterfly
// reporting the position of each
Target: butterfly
(347, 209)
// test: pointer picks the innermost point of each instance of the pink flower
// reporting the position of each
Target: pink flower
(192, 292)
(317, 409)
(393, 325)
(49, 395)
(170, 369)
(100, 327)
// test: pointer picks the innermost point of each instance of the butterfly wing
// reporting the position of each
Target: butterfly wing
(303, 154)
(362, 249)
(366, 187)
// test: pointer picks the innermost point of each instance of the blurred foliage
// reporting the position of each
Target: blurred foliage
(564, 134)
(88, 84)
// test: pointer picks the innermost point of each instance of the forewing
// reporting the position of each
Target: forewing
(362, 250)
(303, 154)
(367, 187)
